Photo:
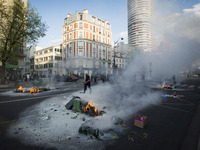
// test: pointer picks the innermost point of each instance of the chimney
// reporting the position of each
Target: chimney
(85, 11)
(68, 15)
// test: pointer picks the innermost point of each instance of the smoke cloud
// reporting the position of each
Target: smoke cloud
(178, 49)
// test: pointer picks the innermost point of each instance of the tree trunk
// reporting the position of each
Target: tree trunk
(3, 72)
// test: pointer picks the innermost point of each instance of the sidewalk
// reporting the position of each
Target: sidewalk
(10, 84)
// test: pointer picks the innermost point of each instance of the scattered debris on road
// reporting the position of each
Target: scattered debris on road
(140, 121)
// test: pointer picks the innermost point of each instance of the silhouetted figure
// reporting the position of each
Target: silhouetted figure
(174, 79)
(87, 82)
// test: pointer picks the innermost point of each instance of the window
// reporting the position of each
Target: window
(104, 52)
(45, 66)
(80, 44)
(50, 58)
(100, 52)
(57, 50)
(108, 34)
(93, 28)
(99, 30)
(80, 52)
(50, 65)
(81, 17)
(41, 66)
(70, 35)
(58, 58)
(80, 34)
(93, 37)
(80, 25)
(45, 58)
(93, 50)
(40, 59)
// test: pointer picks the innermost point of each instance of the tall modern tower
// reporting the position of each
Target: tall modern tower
(140, 24)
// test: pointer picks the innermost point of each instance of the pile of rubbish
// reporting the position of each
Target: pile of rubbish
(78, 105)
(172, 95)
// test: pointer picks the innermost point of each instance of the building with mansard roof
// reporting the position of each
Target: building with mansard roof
(87, 44)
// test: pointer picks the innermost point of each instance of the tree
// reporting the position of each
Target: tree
(19, 24)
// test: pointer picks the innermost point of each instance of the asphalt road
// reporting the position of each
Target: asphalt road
(11, 107)
(172, 125)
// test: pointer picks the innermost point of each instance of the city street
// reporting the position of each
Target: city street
(172, 124)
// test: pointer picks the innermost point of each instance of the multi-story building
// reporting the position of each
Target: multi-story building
(120, 60)
(48, 61)
(140, 24)
(86, 44)
(29, 59)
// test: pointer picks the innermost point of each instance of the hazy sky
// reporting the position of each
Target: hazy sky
(53, 13)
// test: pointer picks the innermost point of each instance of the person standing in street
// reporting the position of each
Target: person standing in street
(87, 83)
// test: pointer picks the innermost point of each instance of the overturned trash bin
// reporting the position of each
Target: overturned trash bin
(70, 104)
(76, 104)
(89, 131)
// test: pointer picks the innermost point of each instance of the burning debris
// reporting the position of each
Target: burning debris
(27, 90)
(164, 86)
(21, 89)
(77, 105)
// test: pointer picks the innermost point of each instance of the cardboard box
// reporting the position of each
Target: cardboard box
(140, 121)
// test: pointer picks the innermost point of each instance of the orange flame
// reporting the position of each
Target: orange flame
(20, 89)
(34, 90)
(165, 86)
(89, 106)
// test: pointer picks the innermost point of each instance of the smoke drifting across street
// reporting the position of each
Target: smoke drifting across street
(50, 124)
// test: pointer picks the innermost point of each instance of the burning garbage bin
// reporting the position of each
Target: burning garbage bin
(78, 105)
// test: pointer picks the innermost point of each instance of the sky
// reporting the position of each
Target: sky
(53, 13)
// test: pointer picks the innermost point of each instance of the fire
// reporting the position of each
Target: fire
(23, 90)
(166, 86)
(34, 90)
(89, 108)
(20, 89)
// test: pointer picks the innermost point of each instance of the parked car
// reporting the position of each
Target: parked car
(70, 79)
(81, 76)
